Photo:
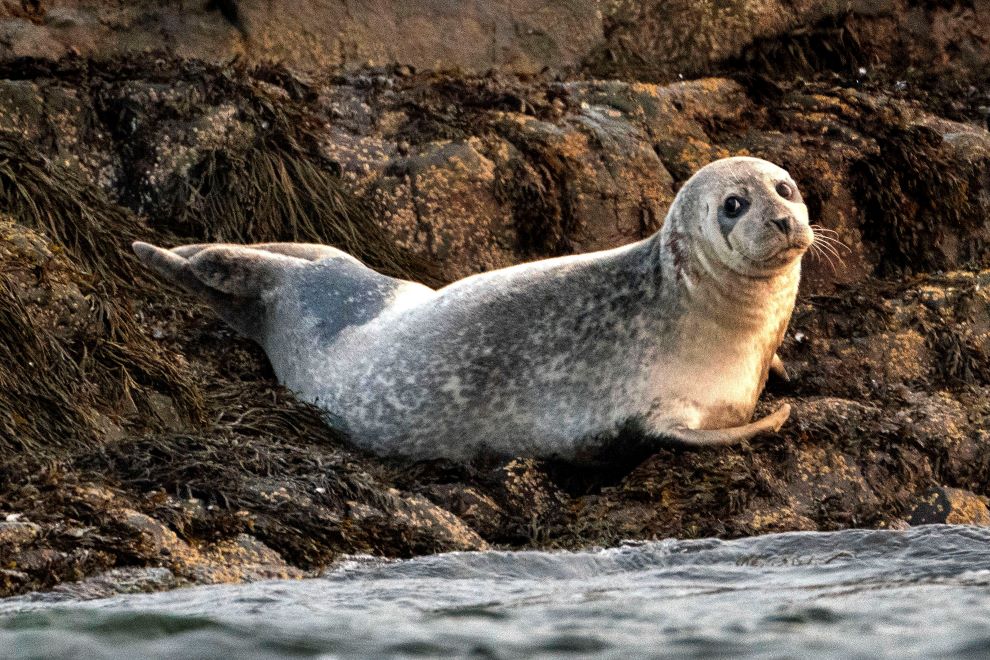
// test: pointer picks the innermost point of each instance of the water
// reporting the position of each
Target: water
(919, 593)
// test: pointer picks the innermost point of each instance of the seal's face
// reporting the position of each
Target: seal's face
(753, 215)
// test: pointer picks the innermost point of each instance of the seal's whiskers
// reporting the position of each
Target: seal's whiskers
(544, 358)
(827, 245)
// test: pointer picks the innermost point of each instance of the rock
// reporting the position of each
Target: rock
(14, 535)
(22, 107)
(523, 36)
(618, 38)
(137, 432)
(118, 581)
(950, 506)
(440, 202)
(40, 560)
(13, 581)
(768, 518)
(149, 539)
(460, 179)
(687, 38)
(241, 559)
(477, 509)
(589, 181)
(434, 529)
(18, 556)
(535, 503)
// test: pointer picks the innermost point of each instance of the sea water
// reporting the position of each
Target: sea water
(924, 592)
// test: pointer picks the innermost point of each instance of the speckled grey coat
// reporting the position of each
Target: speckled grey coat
(550, 358)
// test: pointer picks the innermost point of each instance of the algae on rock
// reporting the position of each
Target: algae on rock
(137, 431)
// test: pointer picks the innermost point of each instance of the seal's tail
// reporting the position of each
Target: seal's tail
(229, 278)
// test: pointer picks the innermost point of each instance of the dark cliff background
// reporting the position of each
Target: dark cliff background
(436, 139)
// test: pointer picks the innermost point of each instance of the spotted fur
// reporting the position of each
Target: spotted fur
(550, 358)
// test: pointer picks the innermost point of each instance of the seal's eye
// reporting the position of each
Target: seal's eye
(735, 206)
(785, 190)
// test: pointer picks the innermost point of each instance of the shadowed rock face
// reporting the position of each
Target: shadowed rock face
(521, 35)
(612, 38)
(136, 431)
(661, 40)
(952, 506)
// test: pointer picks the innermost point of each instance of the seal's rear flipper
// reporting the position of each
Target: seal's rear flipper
(169, 265)
(770, 423)
(240, 271)
(307, 251)
(230, 279)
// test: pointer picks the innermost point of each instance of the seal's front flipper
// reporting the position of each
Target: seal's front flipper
(778, 370)
(769, 424)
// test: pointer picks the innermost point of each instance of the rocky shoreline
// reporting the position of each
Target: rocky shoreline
(143, 446)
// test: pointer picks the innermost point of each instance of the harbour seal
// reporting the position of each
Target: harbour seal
(675, 333)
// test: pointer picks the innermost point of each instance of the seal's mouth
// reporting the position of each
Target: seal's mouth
(774, 251)
(796, 248)
(793, 250)
(797, 245)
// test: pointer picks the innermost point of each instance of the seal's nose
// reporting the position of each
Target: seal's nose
(785, 225)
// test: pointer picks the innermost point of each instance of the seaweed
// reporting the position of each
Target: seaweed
(907, 193)
(268, 195)
(86, 434)
(71, 329)
(269, 466)
(269, 184)
(542, 208)
(59, 201)
(950, 333)
(80, 218)
(832, 44)
(35, 413)
(274, 191)
(960, 361)
(537, 186)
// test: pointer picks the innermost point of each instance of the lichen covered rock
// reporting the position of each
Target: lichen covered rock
(137, 431)
(952, 506)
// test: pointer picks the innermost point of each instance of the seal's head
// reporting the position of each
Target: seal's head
(747, 213)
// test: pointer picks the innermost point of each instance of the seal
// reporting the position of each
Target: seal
(674, 334)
